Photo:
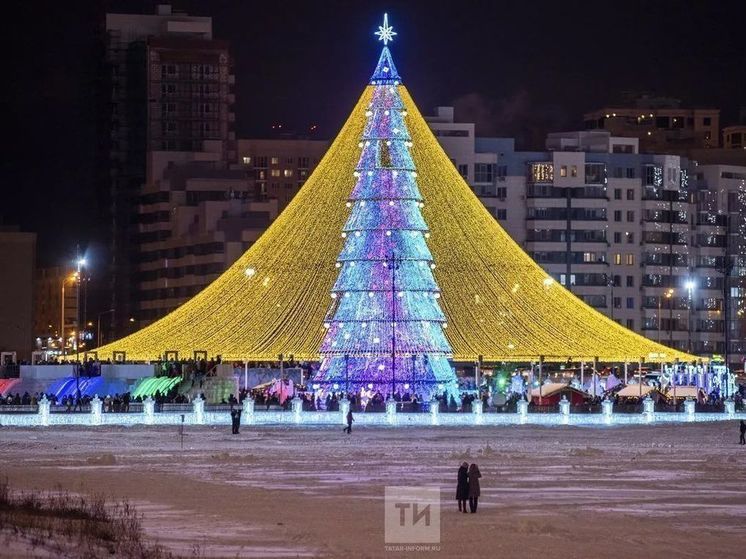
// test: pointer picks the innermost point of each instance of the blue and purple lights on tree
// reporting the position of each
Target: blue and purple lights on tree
(385, 327)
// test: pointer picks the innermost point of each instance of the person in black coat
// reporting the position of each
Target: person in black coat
(462, 487)
(350, 419)
(474, 490)
(235, 420)
(743, 433)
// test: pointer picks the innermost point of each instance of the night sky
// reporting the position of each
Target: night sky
(518, 68)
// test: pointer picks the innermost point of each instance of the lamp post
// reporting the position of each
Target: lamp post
(98, 326)
(81, 325)
(690, 285)
(71, 277)
(394, 263)
(726, 271)
(81, 265)
(670, 317)
(668, 294)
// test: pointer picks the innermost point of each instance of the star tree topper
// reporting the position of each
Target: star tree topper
(385, 32)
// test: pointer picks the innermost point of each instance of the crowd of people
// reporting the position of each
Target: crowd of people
(20, 400)
(363, 401)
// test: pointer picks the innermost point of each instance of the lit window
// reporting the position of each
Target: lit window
(275, 172)
(630, 260)
(563, 171)
(246, 160)
(542, 172)
(275, 161)
(287, 173)
(617, 258)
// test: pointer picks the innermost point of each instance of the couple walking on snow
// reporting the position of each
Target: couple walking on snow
(467, 487)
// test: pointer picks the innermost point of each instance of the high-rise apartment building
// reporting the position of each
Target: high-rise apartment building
(187, 199)
(643, 238)
(170, 89)
(661, 125)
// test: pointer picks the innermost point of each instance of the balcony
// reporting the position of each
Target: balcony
(664, 238)
(660, 194)
(560, 236)
(561, 214)
(539, 190)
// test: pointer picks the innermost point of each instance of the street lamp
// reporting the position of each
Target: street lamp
(668, 294)
(81, 263)
(690, 285)
(71, 278)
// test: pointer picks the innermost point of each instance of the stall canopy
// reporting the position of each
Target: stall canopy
(683, 392)
(634, 391)
(550, 394)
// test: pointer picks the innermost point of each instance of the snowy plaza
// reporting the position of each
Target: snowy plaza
(282, 491)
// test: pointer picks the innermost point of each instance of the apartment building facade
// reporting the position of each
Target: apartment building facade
(198, 213)
(634, 235)
(195, 218)
(661, 124)
(169, 88)
(280, 166)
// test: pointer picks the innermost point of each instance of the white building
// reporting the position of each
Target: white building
(631, 234)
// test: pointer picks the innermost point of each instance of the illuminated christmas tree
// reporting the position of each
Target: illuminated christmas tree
(385, 326)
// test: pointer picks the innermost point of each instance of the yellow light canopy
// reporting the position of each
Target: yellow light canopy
(498, 302)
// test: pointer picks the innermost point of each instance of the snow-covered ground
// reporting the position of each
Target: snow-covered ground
(285, 491)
